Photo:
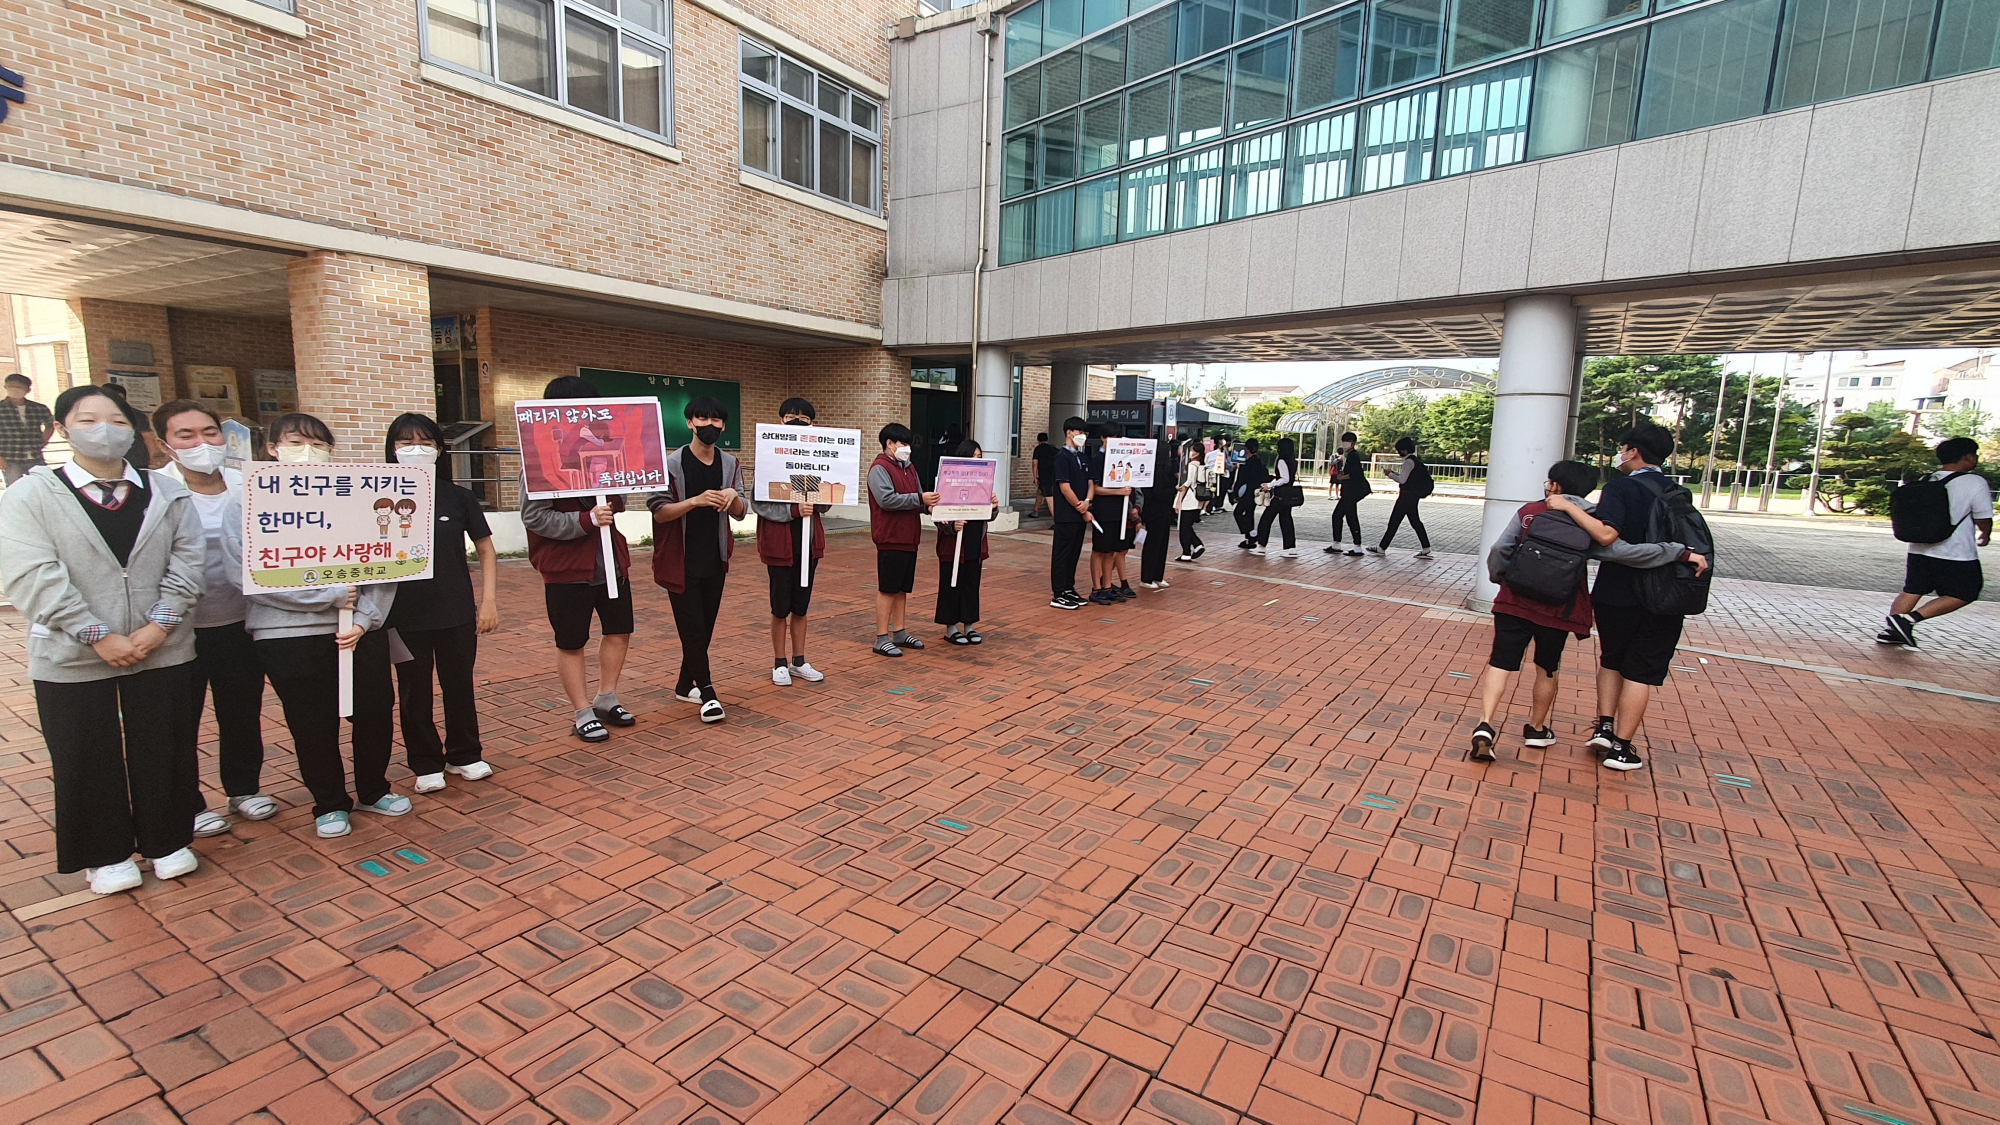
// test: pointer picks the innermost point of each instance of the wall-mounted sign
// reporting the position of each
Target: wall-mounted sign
(142, 389)
(277, 392)
(13, 88)
(130, 353)
(213, 387)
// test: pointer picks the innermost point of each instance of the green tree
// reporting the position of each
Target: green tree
(1621, 389)
(1220, 396)
(1380, 427)
(1262, 424)
(1460, 424)
(1858, 471)
(1963, 420)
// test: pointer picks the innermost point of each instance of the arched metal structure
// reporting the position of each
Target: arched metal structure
(1333, 406)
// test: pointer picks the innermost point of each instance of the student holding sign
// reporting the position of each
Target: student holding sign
(896, 496)
(782, 545)
(961, 543)
(692, 542)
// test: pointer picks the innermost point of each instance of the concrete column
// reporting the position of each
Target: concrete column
(993, 411)
(361, 337)
(1575, 408)
(1069, 389)
(1531, 416)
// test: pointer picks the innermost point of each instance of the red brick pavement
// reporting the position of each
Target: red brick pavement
(1217, 859)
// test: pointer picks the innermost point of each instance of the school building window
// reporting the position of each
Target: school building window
(609, 58)
(809, 130)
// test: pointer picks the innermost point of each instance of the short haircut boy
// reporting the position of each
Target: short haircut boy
(175, 409)
(897, 432)
(570, 386)
(1951, 451)
(1654, 443)
(1073, 424)
(1406, 447)
(799, 406)
(1575, 477)
(705, 406)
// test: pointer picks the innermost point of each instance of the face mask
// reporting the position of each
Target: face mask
(417, 455)
(796, 421)
(1076, 441)
(101, 441)
(203, 458)
(901, 453)
(1346, 447)
(708, 435)
(303, 455)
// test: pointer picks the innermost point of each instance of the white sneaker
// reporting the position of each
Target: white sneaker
(175, 864)
(711, 711)
(210, 823)
(1425, 553)
(1291, 552)
(429, 782)
(254, 807)
(808, 673)
(692, 695)
(781, 674)
(1150, 585)
(1376, 551)
(1164, 583)
(117, 877)
(1183, 558)
(477, 771)
(1258, 551)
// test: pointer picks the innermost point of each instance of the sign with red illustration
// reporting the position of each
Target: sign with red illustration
(591, 446)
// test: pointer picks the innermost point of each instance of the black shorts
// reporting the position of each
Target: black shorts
(788, 598)
(1511, 635)
(1947, 578)
(895, 571)
(571, 604)
(1107, 542)
(1635, 644)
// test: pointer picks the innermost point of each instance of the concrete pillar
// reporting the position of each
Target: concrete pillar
(993, 412)
(361, 337)
(1531, 416)
(1575, 408)
(1069, 389)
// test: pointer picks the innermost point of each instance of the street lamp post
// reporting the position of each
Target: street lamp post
(1819, 440)
(1770, 489)
(1742, 440)
(1714, 435)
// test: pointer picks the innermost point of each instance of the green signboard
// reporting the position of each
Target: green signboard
(674, 393)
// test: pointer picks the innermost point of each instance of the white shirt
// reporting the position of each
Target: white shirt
(1971, 499)
(222, 581)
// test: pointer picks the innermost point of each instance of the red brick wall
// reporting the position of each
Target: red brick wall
(1034, 420)
(361, 335)
(105, 321)
(245, 343)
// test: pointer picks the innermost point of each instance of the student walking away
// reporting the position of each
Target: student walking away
(692, 542)
(1110, 536)
(225, 659)
(1216, 460)
(1539, 564)
(25, 427)
(1246, 486)
(958, 604)
(299, 642)
(438, 623)
(105, 563)
(1044, 464)
(564, 548)
(1945, 518)
(1350, 476)
(1413, 483)
(1156, 517)
(1192, 494)
(1640, 611)
(1072, 516)
(1285, 495)
(782, 548)
(896, 499)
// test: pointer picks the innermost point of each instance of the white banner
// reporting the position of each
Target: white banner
(808, 465)
(1128, 462)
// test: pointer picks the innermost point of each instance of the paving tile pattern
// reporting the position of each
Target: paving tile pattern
(1220, 860)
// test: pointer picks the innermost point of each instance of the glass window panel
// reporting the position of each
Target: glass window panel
(1320, 165)
(1329, 69)
(796, 80)
(1059, 149)
(1205, 27)
(604, 5)
(1062, 81)
(1062, 23)
(1837, 48)
(1487, 29)
(1024, 97)
(1485, 122)
(588, 50)
(1397, 139)
(1255, 17)
(456, 33)
(1197, 189)
(1403, 37)
(1198, 103)
(527, 45)
(1258, 81)
(1148, 115)
(649, 14)
(1097, 213)
(1024, 36)
(1017, 163)
(641, 92)
(1099, 135)
(1149, 44)
(1313, 7)
(1142, 208)
(832, 160)
(861, 111)
(865, 166)
(1584, 95)
(832, 97)
(759, 63)
(795, 145)
(1256, 175)
(1055, 222)
(1104, 64)
(1708, 66)
(1968, 37)
(1017, 232)
(1568, 17)
(760, 132)
(1100, 14)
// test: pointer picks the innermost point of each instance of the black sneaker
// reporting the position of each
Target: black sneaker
(1604, 736)
(1537, 737)
(1623, 758)
(1127, 592)
(1068, 599)
(1200, 549)
(1482, 742)
(1903, 627)
(1355, 553)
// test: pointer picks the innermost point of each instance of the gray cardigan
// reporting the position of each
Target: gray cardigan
(1642, 556)
(316, 613)
(64, 580)
(732, 477)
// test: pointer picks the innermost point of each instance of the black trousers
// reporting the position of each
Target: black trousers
(1190, 539)
(1283, 514)
(226, 665)
(1246, 515)
(452, 652)
(1067, 548)
(961, 602)
(1406, 506)
(121, 751)
(695, 611)
(1347, 510)
(1153, 556)
(305, 672)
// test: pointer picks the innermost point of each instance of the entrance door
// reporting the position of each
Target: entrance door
(940, 414)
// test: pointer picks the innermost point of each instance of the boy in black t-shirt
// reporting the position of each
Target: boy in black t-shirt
(1072, 516)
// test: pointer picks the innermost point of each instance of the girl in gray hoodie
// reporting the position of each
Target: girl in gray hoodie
(105, 562)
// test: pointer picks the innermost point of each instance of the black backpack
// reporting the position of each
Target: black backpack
(1548, 564)
(1420, 483)
(1920, 511)
(1675, 590)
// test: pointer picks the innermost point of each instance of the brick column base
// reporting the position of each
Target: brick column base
(361, 337)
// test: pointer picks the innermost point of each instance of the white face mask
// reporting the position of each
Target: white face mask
(417, 455)
(303, 455)
(1347, 447)
(101, 441)
(901, 453)
(203, 458)
(1076, 441)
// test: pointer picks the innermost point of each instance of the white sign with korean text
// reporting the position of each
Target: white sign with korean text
(807, 465)
(1128, 462)
(306, 526)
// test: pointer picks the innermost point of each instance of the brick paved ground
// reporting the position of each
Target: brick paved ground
(1220, 859)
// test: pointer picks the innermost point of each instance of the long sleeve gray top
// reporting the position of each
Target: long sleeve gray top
(1643, 556)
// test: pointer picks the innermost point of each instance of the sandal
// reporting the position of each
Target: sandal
(590, 730)
(972, 638)
(616, 715)
(957, 638)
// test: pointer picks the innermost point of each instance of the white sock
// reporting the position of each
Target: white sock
(605, 700)
(585, 716)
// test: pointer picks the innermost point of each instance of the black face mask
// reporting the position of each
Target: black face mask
(709, 435)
